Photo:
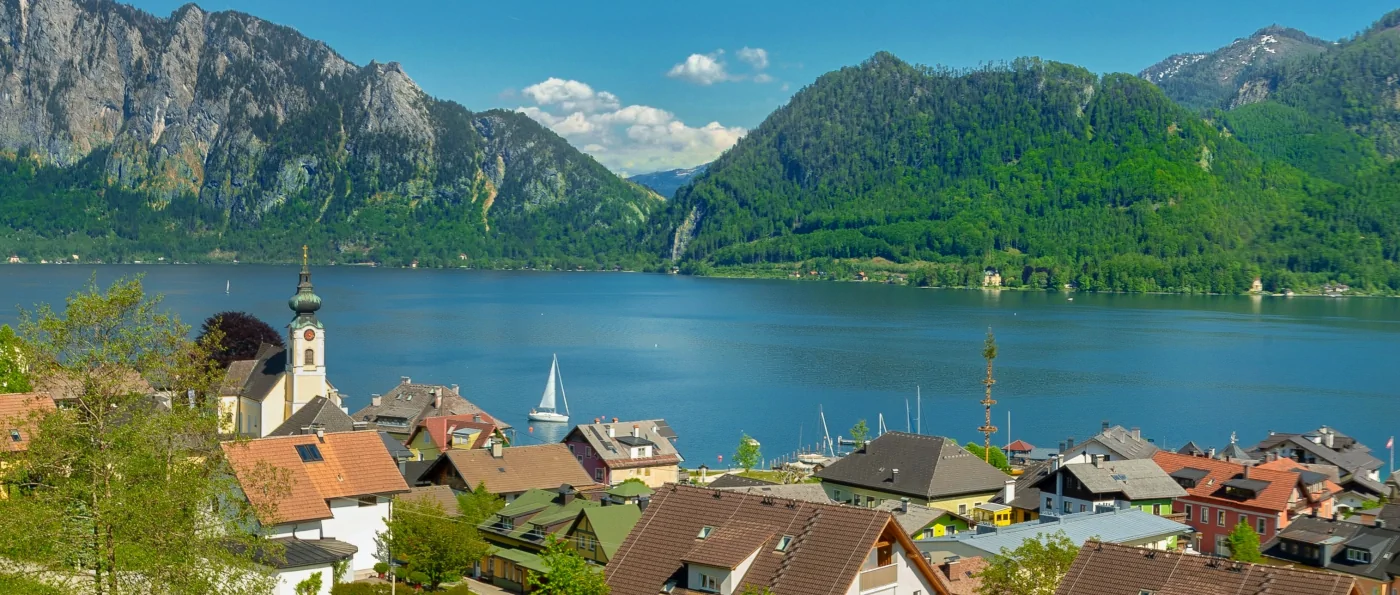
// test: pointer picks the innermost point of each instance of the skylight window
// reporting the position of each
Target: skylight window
(783, 543)
(705, 532)
(14, 435)
(309, 453)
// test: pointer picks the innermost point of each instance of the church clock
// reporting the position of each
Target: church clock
(309, 335)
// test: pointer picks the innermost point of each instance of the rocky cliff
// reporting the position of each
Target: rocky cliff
(254, 120)
(1213, 79)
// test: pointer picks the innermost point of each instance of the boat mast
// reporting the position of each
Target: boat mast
(919, 419)
(827, 432)
(908, 427)
(561, 384)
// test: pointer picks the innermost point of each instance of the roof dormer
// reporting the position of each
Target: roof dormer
(723, 555)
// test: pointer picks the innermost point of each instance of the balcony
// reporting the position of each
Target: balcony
(879, 578)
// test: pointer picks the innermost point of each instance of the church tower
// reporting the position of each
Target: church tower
(306, 345)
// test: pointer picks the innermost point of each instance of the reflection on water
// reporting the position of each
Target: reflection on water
(718, 357)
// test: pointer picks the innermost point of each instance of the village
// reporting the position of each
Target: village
(1302, 512)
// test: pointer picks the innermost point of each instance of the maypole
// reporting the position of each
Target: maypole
(989, 351)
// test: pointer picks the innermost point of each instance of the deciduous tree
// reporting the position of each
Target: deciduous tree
(241, 335)
(569, 573)
(1244, 543)
(860, 433)
(747, 454)
(431, 542)
(1033, 568)
(13, 378)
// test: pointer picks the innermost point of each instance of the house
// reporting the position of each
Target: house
(257, 396)
(1367, 553)
(1222, 494)
(923, 522)
(19, 420)
(403, 457)
(1128, 526)
(1346, 501)
(1111, 569)
(319, 413)
(1233, 453)
(1025, 498)
(520, 530)
(1360, 470)
(508, 472)
(441, 495)
(703, 540)
(615, 452)
(1018, 450)
(598, 531)
(1114, 443)
(629, 492)
(963, 574)
(399, 411)
(339, 492)
(433, 435)
(991, 278)
(1131, 483)
(929, 470)
(801, 492)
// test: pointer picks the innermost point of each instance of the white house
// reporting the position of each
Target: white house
(338, 494)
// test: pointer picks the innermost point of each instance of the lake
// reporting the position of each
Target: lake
(717, 357)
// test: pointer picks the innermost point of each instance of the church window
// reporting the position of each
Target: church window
(310, 358)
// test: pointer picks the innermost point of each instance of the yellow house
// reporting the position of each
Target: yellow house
(598, 532)
(928, 470)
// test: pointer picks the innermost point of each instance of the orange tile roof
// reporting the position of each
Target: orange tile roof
(1274, 497)
(355, 464)
(439, 428)
(19, 413)
(1330, 488)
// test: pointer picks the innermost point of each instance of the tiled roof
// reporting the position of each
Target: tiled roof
(442, 495)
(1310, 475)
(300, 553)
(1122, 442)
(1111, 569)
(1120, 525)
(439, 428)
(396, 449)
(353, 464)
(520, 468)
(1351, 456)
(734, 480)
(729, 544)
(804, 492)
(19, 414)
(1211, 486)
(1383, 545)
(1027, 495)
(916, 517)
(962, 575)
(413, 402)
(235, 377)
(319, 412)
(616, 454)
(1019, 446)
(930, 467)
(830, 542)
(1137, 479)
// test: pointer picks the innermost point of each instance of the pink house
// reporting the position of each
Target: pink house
(613, 452)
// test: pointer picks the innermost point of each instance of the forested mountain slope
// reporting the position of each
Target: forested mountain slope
(205, 135)
(1044, 170)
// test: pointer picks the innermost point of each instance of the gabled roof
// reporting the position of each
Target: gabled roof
(930, 467)
(829, 542)
(397, 450)
(413, 402)
(1019, 446)
(611, 524)
(802, 492)
(442, 495)
(1120, 441)
(1383, 545)
(1347, 454)
(729, 544)
(734, 480)
(916, 517)
(255, 378)
(1211, 487)
(1190, 448)
(1120, 525)
(1111, 569)
(64, 386)
(520, 468)
(301, 553)
(19, 416)
(1136, 479)
(1309, 476)
(535, 514)
(615, 451)
(318, 412)
(353, 464)
(440, 428)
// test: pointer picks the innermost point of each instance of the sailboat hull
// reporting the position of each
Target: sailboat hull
(549, 416)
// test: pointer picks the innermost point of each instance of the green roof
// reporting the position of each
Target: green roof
(611, 524)
(559, 514)
(523, 559)
(630, 489)
(530, 501)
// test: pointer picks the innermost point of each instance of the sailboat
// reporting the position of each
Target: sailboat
(546, 410)
(226, 286)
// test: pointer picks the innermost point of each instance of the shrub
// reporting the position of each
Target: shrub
(460, 589)
(381, 568)
(360, 589)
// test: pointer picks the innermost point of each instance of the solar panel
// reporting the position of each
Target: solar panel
(1120, 477)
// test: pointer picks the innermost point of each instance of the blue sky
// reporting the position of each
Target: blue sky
(639, 83)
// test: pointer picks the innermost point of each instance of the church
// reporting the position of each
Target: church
(261, 394)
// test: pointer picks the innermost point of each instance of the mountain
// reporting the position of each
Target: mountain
(214, 135)
(1209, 79)
(1045, 171)
(667, 182)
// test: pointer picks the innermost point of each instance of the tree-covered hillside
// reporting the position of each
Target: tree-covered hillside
(1043, 170)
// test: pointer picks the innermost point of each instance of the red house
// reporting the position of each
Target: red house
(1222, 494)
(616, 452)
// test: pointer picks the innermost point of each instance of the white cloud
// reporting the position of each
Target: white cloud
(762, 77)
(756, 57)
(701, 69)
(627, 139)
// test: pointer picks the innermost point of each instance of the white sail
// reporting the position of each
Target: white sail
(547, 401)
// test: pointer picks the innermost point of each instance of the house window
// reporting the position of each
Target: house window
(647, 471)
(1220, 518)
(1262, 524)
(962, 509)
(1205, 514)
(705, 532)
(309, 358)
(783, 543)
(1049, 504)
(598, 474)
(708, 583)
(1083, 507)
(1069, 507)
(1359, 556)
(368, 500)
(1188, 512)
(1157, 509)
(309, 453)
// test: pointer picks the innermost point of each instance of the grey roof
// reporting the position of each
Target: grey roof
(396, 448)
(299, 553)
(236, 377)
(1190, 473)
(801, 492)
(1310, 477)
(413, 402)
(1040, 454)
(1120, 441)
(608, 449)
(730, 480)
(1027, 495)
(258, 376)
(929, 467)
(1382, 543)
(413, 471)
(917, 517)
(1253, 485)
(1121, 525)
(1190, 448)
(1136, 479)
(1349, 455)
(319, 411)
(1233, 452)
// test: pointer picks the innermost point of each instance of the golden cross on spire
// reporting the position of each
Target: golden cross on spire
(303, 255)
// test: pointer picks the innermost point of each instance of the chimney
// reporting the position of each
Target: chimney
(321, 434)
(894, 476)
(1098, 461)
(642, 503)
(476, 417)
(1210, 454)
(904, 505)
(636, 431)
(1010, 492)
(1328, 437)
(1137, 433)
(376, 400)
(1246, 471)
(614, 420)
(1062, 446)
(360, 425)
(457, 388)
(1105, 426)
(611, 432)
(496, 452)
(1056, 461)
(1069, 443)
(405, 380)
(567, 493)
(1380, 523)
(437, 398)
